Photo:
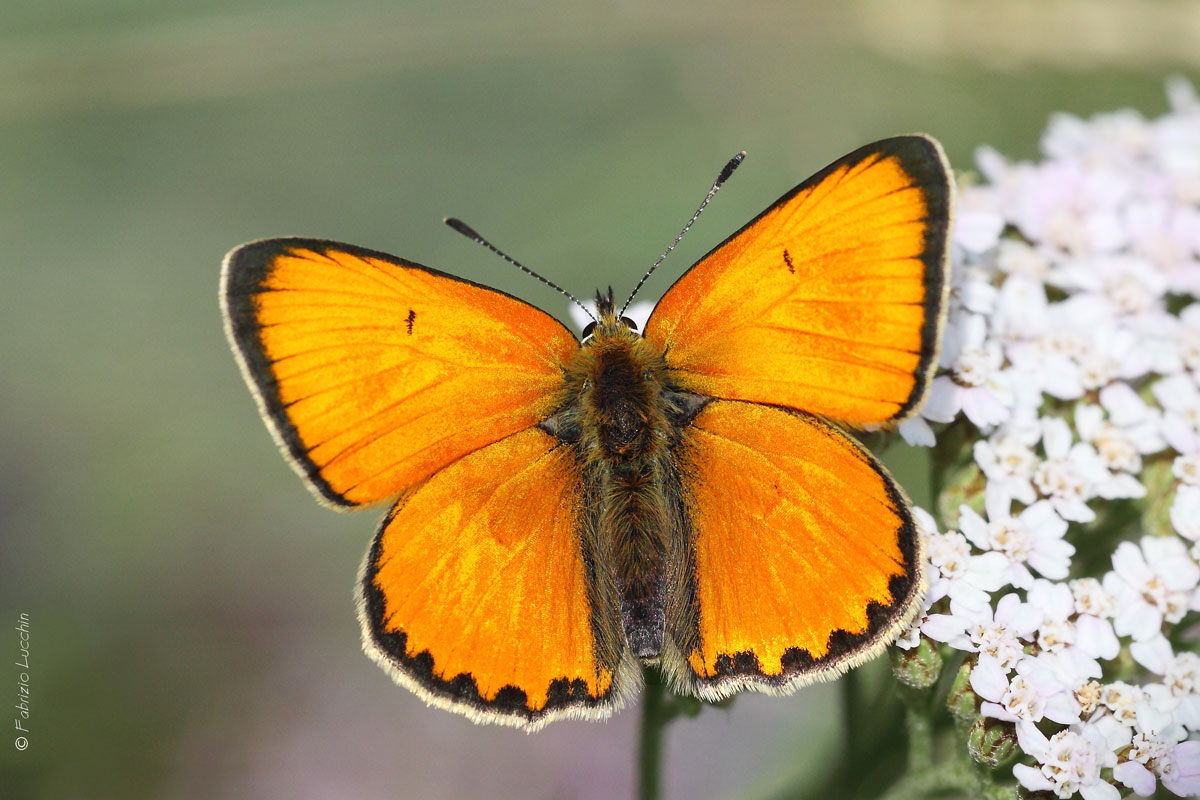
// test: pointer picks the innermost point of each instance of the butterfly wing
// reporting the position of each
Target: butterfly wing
(374, 372)
(829, 301)
(480, 591)
(806, 561)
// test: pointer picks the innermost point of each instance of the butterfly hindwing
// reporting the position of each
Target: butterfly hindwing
(374, 372)
(830, 301)
(806, 560)
(479, 591)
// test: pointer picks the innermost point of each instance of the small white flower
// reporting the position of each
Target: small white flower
(1007, 460)
(1155, 750)
(980, 630)
(1033, 538)
(1181, 774)
(1130, 431)
(1033, 693)
(1123, 699)
(964, 577)
(1052, 353)
(1092, 598)
(1070, 474)
(1181, 678)
(1068, 762)
(986, 393)
(1150, 584)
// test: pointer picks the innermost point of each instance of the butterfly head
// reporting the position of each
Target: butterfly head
(607, 322)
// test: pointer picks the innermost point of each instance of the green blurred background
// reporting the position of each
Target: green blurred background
(193, 630)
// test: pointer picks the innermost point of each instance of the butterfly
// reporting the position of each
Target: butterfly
(687, 496)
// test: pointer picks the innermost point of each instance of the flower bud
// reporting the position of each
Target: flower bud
(918, 667)
(962, 698)
(992, 742)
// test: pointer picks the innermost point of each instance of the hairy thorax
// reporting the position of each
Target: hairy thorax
(617, 382)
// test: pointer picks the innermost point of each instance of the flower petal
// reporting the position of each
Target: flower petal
(1135, 776)
(989, 679)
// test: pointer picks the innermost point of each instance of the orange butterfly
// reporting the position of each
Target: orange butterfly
(563, 513)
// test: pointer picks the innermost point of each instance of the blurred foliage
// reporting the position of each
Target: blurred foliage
(193, 627)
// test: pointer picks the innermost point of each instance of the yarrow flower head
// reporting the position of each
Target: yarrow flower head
(1066, 565)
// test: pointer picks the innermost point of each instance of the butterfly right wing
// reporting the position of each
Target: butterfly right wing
(831, 300)
(482, 591)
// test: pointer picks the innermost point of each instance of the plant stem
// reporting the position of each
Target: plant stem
(654, 721)
(920, 740)
(850, 734)
(953, 777)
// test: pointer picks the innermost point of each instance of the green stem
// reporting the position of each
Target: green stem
(850, 734)
(953, 777)
(654, 721)
(920, 740)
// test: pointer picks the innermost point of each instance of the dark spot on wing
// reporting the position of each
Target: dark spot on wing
(412, 317)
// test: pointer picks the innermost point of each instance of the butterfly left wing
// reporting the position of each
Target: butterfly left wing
(373, 372)
(829, 301)
(482, 592)
(805, 558)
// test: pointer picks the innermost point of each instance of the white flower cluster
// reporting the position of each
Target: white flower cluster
(1072, 358)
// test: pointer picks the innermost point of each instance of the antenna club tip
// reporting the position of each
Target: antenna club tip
(463, 228)
(730, 167)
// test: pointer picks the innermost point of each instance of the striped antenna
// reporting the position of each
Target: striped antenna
(469, 232)
(726, 171)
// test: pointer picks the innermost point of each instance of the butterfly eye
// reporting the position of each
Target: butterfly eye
(629, 323)
(591, 326)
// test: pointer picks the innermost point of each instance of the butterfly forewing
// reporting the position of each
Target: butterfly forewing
(830, 301)
(374, 372)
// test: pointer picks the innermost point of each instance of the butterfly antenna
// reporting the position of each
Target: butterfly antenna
(726, 171)
(469, 232)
